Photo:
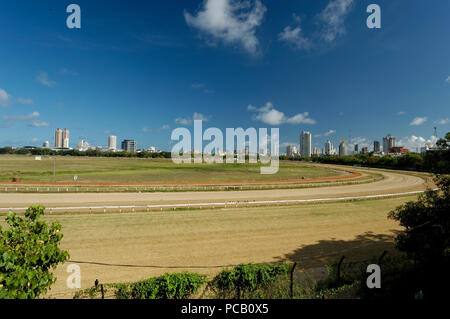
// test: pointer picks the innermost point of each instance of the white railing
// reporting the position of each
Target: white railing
(217, 204)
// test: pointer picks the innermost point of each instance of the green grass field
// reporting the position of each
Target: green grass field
(128, 170)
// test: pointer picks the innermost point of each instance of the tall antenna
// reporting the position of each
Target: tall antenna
(435, 132)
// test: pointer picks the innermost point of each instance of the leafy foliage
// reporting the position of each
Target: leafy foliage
(427, 224)
(426, 238)
(29, 250)
(167, 286)
(245, 278)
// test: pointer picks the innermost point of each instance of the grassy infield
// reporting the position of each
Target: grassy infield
(144, 170)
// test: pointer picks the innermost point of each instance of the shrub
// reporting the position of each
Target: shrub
(29, 251)
(234, 283)
(167, 286)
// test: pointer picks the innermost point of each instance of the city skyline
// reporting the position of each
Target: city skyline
(136, 80)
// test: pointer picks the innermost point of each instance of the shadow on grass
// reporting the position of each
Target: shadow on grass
(326, 252)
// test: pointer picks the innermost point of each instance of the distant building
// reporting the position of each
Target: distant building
(65, 138)
(112, 142)
(316, 151)
(376, 147)
(329, 148)
(388, 143)
(365, 150)
(129, 146)
(46, 144)
(356, 148)
(399, 150)
(342, 151)
(291, 151)
(58, 138)
(152, 149)
(305, 144)
(83, 146)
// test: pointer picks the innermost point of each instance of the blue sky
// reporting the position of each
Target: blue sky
(138, 69)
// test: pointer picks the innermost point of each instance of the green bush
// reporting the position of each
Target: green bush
(29, 251)
(167, 286)
(235, 282)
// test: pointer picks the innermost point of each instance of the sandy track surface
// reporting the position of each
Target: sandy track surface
(393, 182)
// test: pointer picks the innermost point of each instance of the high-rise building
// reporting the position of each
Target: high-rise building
(112, 142)
(291, 151)
(316, 151)
(356, 148)
(65, 138)
(388, 143)
(376, 147)
(342, 151)
(129, 146)
(365, 150)
(58, 138)
(305, 144)
(329, 148)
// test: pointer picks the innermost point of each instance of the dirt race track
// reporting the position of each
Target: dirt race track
(393, 183)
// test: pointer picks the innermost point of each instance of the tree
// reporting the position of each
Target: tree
(444, 143)
(29, 251)
(426, 238)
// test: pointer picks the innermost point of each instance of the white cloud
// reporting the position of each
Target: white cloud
(183, 121)
(329, 132)
(25, 101)
(44, 80)
(66, 71)
(401, 113)
(295, 38)
(198, 85)
(413, 142)
(33, 118)
(145, 129)
(447, 79)
(442, 121)
(232, 21)
(4, 98)
(37, 123)
(27, 117)
(418, 121)
(188, 120)
(269, 115)
(333, 18)
(200, 116)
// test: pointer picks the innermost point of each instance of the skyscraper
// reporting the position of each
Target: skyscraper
(305, 144)
(329, 148)
(112, 142)
(388, 143)
(65, 138)
(129, 146)
(58, 138)
(342, 151)
(376, 147)
(291, 151)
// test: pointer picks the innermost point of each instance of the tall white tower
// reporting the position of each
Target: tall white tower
(112, 142)
(58, 138)
(305, 144)
(65, 138)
